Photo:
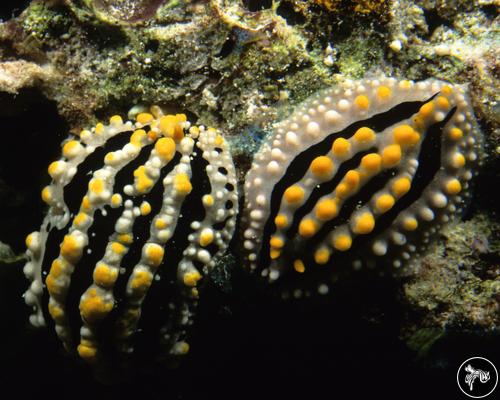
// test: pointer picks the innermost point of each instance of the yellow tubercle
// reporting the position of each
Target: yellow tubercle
(118, 248)
(160, 223)
(86, 205)
(194, 131)
(57, 313)
(137, 138)
(322, 167)
(384, 93)
(322, 255)
(165, 147)
(364, 223)
(54, 169)
(442, 102)
(341, 147)
(206, 237)
(125, 238)
(109, 158)
(371, 162)
(405, 84)
(71, 249)
(281, 221)
(401, 186)
(276, 242)
(170, 126)
(208, 200)
(364, 135)
(410, 223)
(274, 253)
(71, 149)
(191, 278)
(81, 219)
(326, 209)
(455, 134)
(57, 268)
(28, 241)
(307, 227)
(88, 353)
(362, 102)
(342, 242)
(294, 194)
(182, 347)
(93, 308)
(458, 160)
(116, 200)
(384, 203)
(47, 194)
(105, 276)
(391, 155)
(152, 136)
(446, 90)
(154, 254)
(116, 120)
(405, 135)
(352, 178)
(141, 281)
(182, 184)
(96, 185)
(143, 183)
(299, 266)
(54, 289)
(145, 208)
(453, 186)
(99, 129)
(144, 118)
(426, 110)
(419, 123)
(219, 140)
(343, 190)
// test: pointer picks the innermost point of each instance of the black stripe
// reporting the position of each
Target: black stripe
(99, 232)
(155, 309)
(77, 188)
(341, 262)
(299, 166)
(141, 233)
(324, 189)
(429, 163)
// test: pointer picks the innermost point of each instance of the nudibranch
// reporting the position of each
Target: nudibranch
(138, 213)
(362, 174)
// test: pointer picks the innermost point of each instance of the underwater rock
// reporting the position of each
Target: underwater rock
(15, 75)
(138, 215)
(360, 174)
(120, 12)
(457, 285)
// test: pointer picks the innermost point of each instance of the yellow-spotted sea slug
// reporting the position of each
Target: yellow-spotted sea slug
(138, 213)
(359, 175)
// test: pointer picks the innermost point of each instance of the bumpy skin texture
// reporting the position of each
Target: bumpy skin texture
(135, 209)
(360, 174)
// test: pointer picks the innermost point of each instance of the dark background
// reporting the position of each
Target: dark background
(247, 345)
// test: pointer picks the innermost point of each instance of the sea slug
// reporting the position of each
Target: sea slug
(360, 174)
(138, 214)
